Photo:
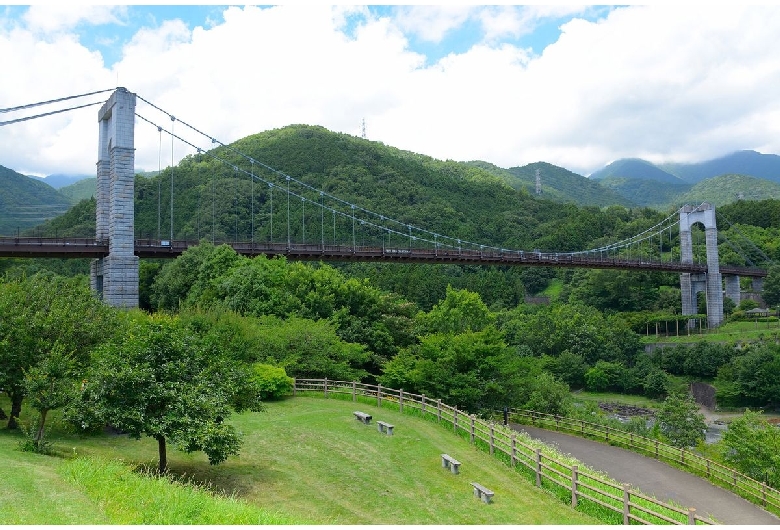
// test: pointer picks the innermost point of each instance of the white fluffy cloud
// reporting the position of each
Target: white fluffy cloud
(660, 82)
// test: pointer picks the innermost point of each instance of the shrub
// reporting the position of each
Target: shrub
(272, 381)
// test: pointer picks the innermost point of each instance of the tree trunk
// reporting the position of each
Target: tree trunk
(39, 433)
(163, 454)
(16, 410)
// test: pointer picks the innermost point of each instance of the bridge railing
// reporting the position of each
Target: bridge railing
(539, 463)
(744, 486)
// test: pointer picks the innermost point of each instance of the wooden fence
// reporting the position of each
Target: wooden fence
(720, 475)
(542, 466)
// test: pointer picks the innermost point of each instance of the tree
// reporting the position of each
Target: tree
(49, 385)
(39, 312)
(771, 292)
(680, 420)
(752, 445)
(158, 380)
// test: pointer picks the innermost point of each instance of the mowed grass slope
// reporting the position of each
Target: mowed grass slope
(305, 460)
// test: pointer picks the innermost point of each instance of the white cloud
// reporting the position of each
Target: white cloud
(432, 23)
(64, 16)
(663, 83)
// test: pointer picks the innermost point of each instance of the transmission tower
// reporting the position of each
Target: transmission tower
(538, 182)
(363, 129)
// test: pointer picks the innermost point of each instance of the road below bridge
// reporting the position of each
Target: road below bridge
(656, 478)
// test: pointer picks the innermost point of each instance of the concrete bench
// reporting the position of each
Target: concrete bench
(450, 463)
(362, 416)
(482, 492)
(383, 426)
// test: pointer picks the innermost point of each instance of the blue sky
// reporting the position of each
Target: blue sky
(575, 86)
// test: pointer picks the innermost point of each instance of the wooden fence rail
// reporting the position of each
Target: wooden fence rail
(744, 486)
(545, 469)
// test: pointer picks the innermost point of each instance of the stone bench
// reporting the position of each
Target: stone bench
(450, 463)
(482, 492)
(383, 426)
(362, 416)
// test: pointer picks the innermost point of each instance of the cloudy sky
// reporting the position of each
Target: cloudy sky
(577, 87)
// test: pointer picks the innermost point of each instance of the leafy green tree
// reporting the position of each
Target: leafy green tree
(460, 311)
(50, 385)
(752, 445)
(309, 348)
(159, 381)
(680, 420)
(40, 312)
(771, 292)
(656, 383)
(603, 376)
(755, 375)
(472, 370)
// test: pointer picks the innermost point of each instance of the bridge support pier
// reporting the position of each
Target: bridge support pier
(733, 290)
(691, 284)
(115, 277)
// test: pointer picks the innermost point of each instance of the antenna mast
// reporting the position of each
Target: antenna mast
(538, 182)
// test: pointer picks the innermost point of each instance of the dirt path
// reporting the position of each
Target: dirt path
(657, 478)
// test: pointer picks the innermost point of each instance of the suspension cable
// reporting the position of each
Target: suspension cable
(9, 122)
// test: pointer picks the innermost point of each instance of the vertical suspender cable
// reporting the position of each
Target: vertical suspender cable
(353, 228)
(252, 176)
(303, 219)
(271, 193)
(235, 176)
(322, 219)
(213, 206)
(173, 121)
(288, 213)
(159, 178)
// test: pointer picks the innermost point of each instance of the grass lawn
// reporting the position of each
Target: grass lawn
(732, 332)
(304, 461)
(610, 397)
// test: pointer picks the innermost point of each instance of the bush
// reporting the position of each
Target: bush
(272, 381)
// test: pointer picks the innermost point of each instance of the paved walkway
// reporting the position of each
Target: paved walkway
(657, 478)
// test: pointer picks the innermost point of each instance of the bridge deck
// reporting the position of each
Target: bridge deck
(146, 248)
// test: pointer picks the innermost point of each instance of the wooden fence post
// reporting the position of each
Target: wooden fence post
(325, 386)
(708, 468)
(573, 486)
(691, 515)
(423, 404)
(492, 440)
(401, 400)
(626, 502)
(513, 456)
(557, 423)
(632, 440)
(656, 448)
(295, 387)
(354, 385)
(763, 490)
(682, 456)
(438, 409)
(379, 396)
(608, 436)
(455, 419)
(538, 468)
(734, 473)
(472, 428)
(582, 427)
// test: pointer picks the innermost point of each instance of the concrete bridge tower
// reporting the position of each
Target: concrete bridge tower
(115, 277)
(710, 282)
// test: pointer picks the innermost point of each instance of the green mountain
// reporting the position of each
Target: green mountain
(642, 192)
(557, 184)
(82, 189)
(26, 202)
(635, 168)
(726, 189)
(752, 163)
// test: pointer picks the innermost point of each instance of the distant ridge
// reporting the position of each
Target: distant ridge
(26, 202)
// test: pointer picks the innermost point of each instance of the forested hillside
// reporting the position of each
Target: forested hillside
(26, 202)
(213, 201)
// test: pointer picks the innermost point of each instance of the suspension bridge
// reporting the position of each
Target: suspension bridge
(370, 236)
